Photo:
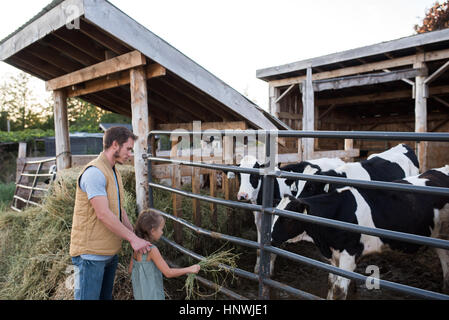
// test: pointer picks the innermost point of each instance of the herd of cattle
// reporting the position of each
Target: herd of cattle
(420, 214)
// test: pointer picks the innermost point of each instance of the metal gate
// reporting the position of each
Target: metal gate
(267, 209)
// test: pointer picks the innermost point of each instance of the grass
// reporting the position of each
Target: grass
(6, 194)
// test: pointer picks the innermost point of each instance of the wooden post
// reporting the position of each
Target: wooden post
(274, 106)
(421, 115)
(213, 193)
(140, 123)
(22, 150)
(308, 116)
(176, 183)
(62, 139)
(177, 201)
(349, 145)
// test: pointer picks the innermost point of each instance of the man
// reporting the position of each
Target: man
(99, 220)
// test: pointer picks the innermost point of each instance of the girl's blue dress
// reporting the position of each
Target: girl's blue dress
(147, 280)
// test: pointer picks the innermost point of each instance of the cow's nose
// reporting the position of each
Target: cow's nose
(242, 196)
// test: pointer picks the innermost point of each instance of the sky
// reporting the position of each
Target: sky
(234, 38)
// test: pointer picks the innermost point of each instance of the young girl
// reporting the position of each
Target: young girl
(147, 269)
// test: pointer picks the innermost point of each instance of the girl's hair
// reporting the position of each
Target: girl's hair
(147, 221)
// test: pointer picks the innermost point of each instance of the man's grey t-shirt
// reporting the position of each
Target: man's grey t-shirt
(93, 182)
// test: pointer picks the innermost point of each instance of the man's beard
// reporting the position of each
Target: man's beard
(117, 156)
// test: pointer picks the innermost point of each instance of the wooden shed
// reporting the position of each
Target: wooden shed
(92, 50)
(398, 85)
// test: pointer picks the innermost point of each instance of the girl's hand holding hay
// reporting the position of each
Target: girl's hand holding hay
(214, 265)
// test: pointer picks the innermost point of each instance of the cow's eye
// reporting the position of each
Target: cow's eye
(254, 180)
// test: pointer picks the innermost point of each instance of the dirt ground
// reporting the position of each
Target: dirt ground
(421, 270)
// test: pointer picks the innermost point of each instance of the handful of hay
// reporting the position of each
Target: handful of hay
(213, 265)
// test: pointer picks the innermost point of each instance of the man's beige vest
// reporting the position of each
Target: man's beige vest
(89, 235)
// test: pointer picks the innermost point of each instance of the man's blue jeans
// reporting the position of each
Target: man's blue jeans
(94, 280)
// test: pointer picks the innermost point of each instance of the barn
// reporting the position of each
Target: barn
(399, 85)
(91, 50)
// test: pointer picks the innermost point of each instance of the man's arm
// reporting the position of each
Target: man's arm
(107, 217)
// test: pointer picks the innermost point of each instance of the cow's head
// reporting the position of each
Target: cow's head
(308, 189)
(250, 184)
(285, 228)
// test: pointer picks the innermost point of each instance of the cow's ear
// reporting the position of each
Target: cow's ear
(264, 165)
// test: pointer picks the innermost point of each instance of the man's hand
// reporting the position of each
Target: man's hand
(140, 245)
(105, 215)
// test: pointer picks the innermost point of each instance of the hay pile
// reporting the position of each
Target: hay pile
(34, 244)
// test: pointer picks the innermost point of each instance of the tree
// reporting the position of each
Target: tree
(19, 102)
(436, 18)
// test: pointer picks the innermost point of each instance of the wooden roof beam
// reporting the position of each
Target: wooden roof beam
(212, 107)
(80, 41)
(44, 53)
(362, 80)
(105, 40)
(374, 97)
(69, 50)
(152, 71)
(369, 67)
(120, 63)
(176, 98)
(437, 73)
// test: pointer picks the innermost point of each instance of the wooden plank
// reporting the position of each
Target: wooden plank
(376, 49)
(287, 115)
(444, 103)
(121, 26)
(39, 28)
(368, 67)
(102, 38)
(363, 80)
(80, 41)
(152, 71)
(349, 145)
(285, 93)
(39, 64)
(49, 55)
(139, 107)
(230, 125)
(120, 63)
(69, 50)
(437, 73)
(62, 140)
(308, 114)
(185, 96)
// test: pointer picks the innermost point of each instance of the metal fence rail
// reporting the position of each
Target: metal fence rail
(268, 211)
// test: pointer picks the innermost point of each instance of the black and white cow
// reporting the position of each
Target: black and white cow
(251, 187)
(421, 214)
(394, 164)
